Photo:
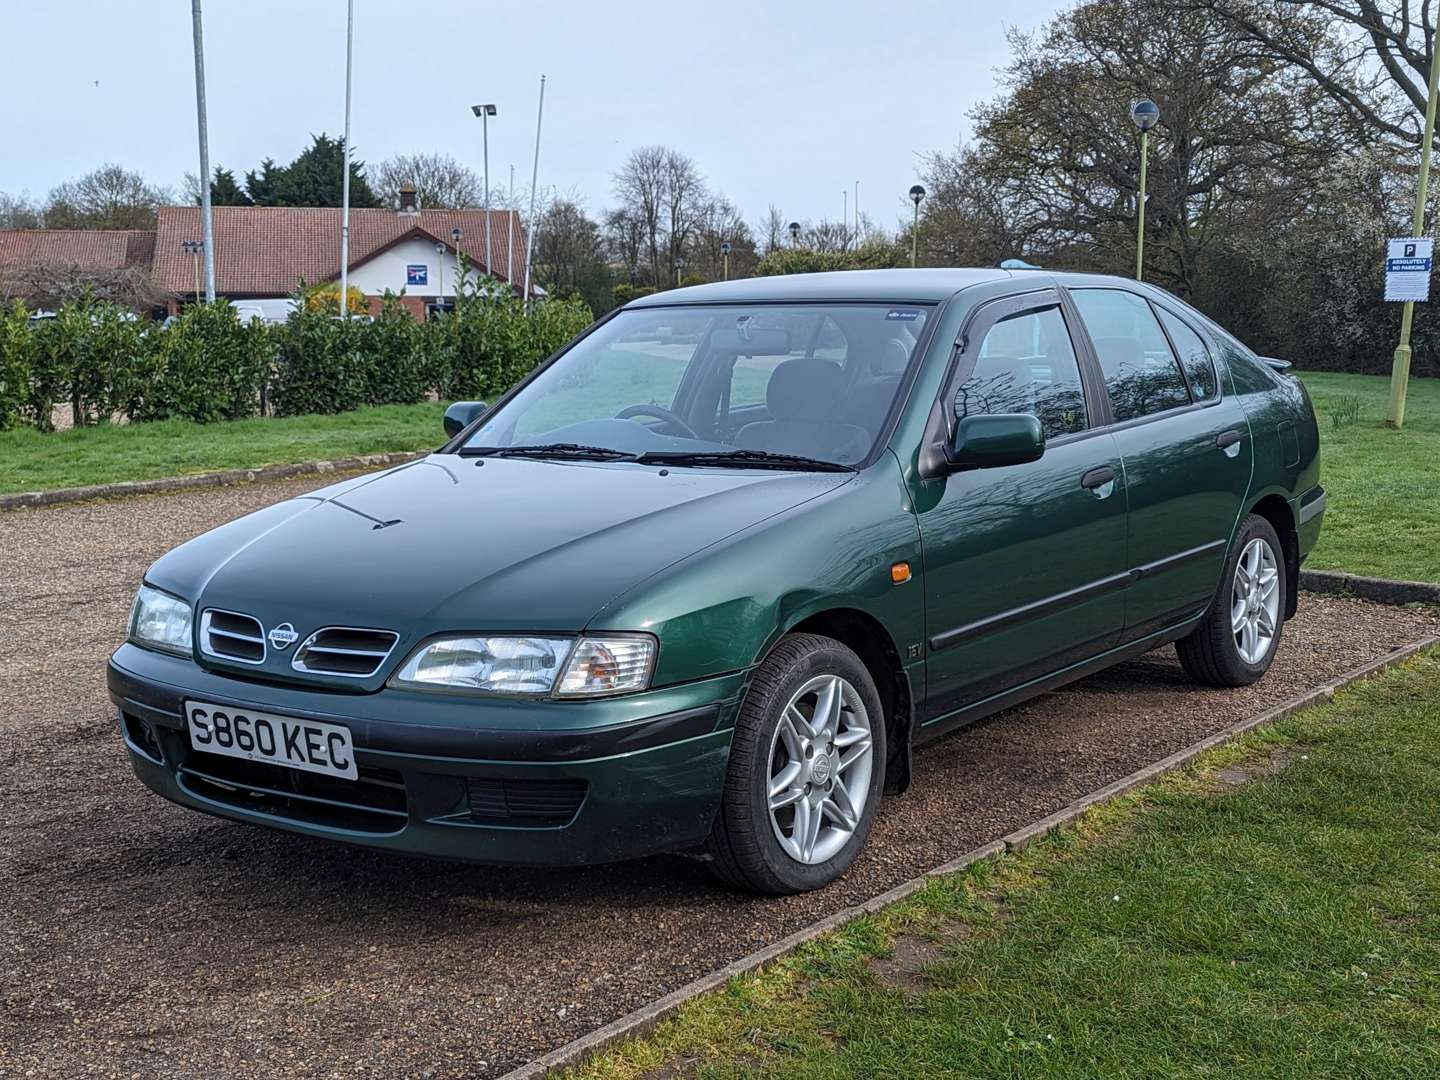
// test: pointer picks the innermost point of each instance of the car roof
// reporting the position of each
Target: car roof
(920, 285)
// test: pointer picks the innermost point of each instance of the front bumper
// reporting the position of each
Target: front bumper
(504, 781)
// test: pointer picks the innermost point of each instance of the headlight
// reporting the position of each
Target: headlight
(160, 621)
(605, 664)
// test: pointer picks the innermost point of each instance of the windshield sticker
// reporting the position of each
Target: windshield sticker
(902, 315)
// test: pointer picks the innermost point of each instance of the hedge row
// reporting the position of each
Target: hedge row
(207, 365)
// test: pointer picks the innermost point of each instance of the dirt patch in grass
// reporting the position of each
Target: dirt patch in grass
(1248, 771)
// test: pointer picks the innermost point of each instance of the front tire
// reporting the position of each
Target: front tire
(807, 764)
(1236, 643)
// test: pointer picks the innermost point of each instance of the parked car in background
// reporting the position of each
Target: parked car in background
(273, 310)
(705, 579)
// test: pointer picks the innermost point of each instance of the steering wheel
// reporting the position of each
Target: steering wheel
(660, 414)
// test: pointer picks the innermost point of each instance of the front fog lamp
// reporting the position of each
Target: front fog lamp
(531, 665)
(160, 621)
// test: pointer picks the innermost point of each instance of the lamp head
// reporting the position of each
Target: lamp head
(916, 194)
(1144, 114)
(483, 110)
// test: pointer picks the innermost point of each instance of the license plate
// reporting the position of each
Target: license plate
(275, 740)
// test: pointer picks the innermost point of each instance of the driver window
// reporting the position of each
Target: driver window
(1026, 364)
(644, 367)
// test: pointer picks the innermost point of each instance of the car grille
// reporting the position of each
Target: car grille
(343, 650)
(534, 803)
(232, 636)
(373, 803)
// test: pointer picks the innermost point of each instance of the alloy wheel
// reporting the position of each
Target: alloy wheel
(1255, 601)
(820, 769)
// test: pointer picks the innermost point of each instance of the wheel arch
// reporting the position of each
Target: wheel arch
(1275, 508)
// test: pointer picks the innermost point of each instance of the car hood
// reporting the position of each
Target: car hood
(449, 543)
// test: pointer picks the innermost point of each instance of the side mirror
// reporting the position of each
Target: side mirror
(995, 440)
(461, 415)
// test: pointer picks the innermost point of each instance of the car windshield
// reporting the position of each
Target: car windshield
(778, 385)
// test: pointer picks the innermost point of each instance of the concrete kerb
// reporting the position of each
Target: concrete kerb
(645, 1019)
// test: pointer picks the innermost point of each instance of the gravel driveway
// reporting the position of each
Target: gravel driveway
(138, 938)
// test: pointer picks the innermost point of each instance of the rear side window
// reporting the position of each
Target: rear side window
(1194, 357)
(1141, 372)
(1026, 364)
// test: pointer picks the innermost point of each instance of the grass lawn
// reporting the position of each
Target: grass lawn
(30, 461)
(1281, 925)
(1382, 516)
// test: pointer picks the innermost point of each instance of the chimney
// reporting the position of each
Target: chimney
(407, 199)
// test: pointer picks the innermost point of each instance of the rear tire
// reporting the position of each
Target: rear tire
(807, 763)
(1237, 641)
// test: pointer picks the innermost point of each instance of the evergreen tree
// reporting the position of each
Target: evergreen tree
(312, 179)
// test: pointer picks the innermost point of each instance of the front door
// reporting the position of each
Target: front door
(1024, 565)
(1186, 448)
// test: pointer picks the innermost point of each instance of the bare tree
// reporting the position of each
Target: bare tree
(50, 285)
(568, 255)
(440, 181)
(716, 222)
(625, 242)
(1239, 136)
(108, 198)
(661, 192)
(640, 190)
(18, 212)
(772, 228)
(1371, 57)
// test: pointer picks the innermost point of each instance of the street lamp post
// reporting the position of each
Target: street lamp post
(725, 256)
(794, 234)
(485, 112)
(917, 193)
(679, 266)
(1144, 114)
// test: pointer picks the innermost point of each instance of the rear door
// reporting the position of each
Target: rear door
(1186, 451)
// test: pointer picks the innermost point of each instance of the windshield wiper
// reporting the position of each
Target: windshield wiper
(572, 451)
(755, 459)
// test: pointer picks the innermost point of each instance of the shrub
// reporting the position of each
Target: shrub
(324, 299)
(876, 255)
(17, 351)
(205, 366)
(398, 371)
(625, 292)
(318, 368)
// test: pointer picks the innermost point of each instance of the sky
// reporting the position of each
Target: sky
(784, 103)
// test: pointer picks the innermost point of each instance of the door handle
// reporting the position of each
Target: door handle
(1101, 480)
(1227, 439)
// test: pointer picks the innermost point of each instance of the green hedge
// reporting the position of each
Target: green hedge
(207, 365)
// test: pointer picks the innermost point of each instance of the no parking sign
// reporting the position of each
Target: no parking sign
(1407, 269)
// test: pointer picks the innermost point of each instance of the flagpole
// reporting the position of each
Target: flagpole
(534, 182)
(345, 169)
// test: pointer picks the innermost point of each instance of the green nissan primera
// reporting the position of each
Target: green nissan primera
(707, 577)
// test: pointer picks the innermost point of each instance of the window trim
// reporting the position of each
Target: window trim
(940, 427)
(1099, 375)
(1209, 354)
